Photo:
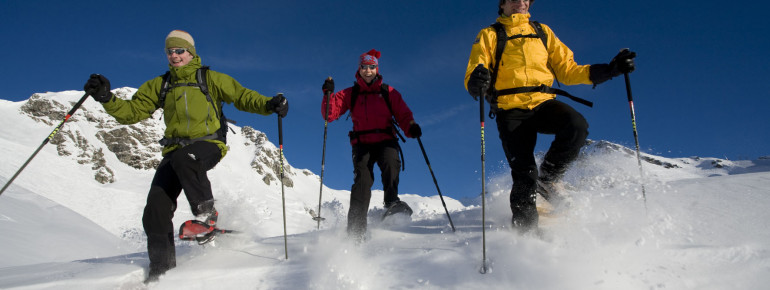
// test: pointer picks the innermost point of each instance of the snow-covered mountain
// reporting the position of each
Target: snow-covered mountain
(72, 219)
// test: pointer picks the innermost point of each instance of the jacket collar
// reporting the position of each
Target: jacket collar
(186, 71)
(514, 20)
(375, 86)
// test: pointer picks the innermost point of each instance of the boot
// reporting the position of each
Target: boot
(549, 185)
(525, 217)
(397, 207)
(206, 213)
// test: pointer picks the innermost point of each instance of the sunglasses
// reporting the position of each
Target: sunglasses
(370, 66)
(171, 51)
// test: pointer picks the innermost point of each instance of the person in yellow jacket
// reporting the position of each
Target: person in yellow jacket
(519, 91)
(193, 141)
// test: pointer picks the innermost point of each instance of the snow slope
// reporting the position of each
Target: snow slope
(703, 225)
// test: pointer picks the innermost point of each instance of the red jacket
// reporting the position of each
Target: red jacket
(370, 111)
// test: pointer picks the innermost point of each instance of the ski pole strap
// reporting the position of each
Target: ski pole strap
(543, 89)
(186, 141)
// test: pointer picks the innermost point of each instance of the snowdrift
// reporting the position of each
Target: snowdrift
(72, 220)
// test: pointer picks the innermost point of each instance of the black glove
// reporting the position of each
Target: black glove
(279, 105)
(623, 62)
(415, 131)
(620, 64)
(328, 86)
(479, 81)
(99, 88)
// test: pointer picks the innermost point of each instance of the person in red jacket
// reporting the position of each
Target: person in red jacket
(377, 110)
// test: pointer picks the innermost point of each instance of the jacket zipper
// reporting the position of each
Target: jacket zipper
(187, 111)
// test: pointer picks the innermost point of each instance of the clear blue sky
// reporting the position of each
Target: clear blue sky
(701, 87)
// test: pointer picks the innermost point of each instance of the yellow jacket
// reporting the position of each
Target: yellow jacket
(525, 62)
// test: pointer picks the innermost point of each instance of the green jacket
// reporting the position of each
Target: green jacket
(187, 113)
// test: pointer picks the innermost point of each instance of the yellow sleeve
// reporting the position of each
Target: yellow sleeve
(562, 61)
(482, 52)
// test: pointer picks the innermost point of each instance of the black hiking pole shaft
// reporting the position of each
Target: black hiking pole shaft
(483, 190)
(283, 198)
(436, 183)
(636, 136)
(46, 140)
(323, 161)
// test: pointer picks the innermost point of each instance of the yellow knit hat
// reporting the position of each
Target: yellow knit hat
(180, 38)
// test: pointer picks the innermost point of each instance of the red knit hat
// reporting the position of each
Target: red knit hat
(370, 57)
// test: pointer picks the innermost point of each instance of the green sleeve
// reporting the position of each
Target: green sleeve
(230, 91)
(141, 106)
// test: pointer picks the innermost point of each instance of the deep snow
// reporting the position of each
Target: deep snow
(704, 226)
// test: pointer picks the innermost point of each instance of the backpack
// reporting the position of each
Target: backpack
(502, 39)
(201, 77)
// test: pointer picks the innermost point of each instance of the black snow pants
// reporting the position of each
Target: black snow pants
(182, 169)
(386, 155)
(518, 130)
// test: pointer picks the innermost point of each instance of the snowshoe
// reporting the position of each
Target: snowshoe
(555, 194)
(398, 207)
(194, 230)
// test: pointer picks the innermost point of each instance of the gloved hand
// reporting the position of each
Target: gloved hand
(99, 88)
(415, 131)
(279, 105)
(328, 86)
(479, 81)
(620, 64)
(623, 62)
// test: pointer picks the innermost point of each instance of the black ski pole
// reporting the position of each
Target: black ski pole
(484, 269)
(636, 136)
(323, 161)
(283, 198)
(436, 183)
(46, 140)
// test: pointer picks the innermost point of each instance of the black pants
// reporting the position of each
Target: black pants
(182, 169)
(518, 130)
(385, 154)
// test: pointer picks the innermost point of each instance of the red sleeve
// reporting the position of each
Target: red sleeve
(401, 111)
(339, 103)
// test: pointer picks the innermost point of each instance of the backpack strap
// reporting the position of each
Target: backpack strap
(544, 89)
(502, 39)
(353, 97)
(164, 87)
(201, 77)
(385, 93)
(540, 33)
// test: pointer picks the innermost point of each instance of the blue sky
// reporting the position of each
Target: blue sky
(701, 87)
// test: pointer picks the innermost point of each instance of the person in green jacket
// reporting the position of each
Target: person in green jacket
(193, 143)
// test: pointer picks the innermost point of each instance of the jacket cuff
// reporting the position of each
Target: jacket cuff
(599, 73)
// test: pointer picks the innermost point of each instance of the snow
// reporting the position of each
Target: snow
(700, 224)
